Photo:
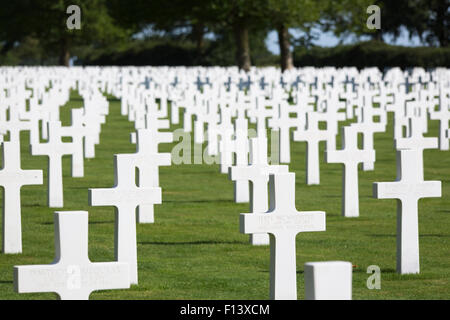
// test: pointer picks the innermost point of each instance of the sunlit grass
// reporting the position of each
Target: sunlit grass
(194, 249)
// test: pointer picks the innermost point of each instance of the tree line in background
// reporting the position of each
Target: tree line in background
(202, 32)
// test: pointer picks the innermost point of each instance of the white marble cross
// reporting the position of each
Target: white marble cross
(368, 127)
(443, 115)
(92, 121)
(77, 131)
(14, 125)
(331, 116)
(261, 112)
(283, 124)
(283, 222)
(148, 160)
(125, 196)
(153, 122)
(34, 116)
(54, 149)
(71, 275)
(408, 189)
(12, 178)
(241, 149)
(382, 98)
(257, 172)
(226, 143)
(350, 156)
(416, 140)
(312, 135)
(199, 123)
(213, 128)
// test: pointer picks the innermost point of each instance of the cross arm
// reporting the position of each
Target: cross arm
(164, 159)
(307, 221)
(39, 278)
(165, 137)
(106, 275)
(333, 156)
(102, 197)
(430, 189)
(386, 190)
(32, 177)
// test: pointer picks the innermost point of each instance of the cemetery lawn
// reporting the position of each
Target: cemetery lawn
(194, 249)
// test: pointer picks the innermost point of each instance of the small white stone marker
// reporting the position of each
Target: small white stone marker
(72, 275)
(54, 149)
(12, 178)
(408, 189)
(328, 280)
(125, 196)
(258, 174)
(283, 222)
(350, 155)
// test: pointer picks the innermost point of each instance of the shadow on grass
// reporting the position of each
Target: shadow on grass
(6, 281)
(268, 271)
(333, 196)
(191, 243)
(33, 205)
(76, 98)
(199, 201)
(90, 222)
(101, 222)
(361, 269)
(420, 235)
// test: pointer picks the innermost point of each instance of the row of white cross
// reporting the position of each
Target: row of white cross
(319, 97)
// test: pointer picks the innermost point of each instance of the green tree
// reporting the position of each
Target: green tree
(430, 21)
(182, 19)
(427, 19)
(285, 14)
(46, 20)
(241, 17)
(349, 17)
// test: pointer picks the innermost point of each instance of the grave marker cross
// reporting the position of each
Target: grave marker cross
(72, 275)
(350, 156)
(443, 115)
(416, 141)
(125, 196)
(257, 172)
(312, 135)
(54, 149)
(408, 189)
(283, 222)
(148, 160)
(12, 178)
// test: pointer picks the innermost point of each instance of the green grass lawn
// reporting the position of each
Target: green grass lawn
(194, 249)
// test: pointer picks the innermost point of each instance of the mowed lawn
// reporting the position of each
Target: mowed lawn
(194, 249)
